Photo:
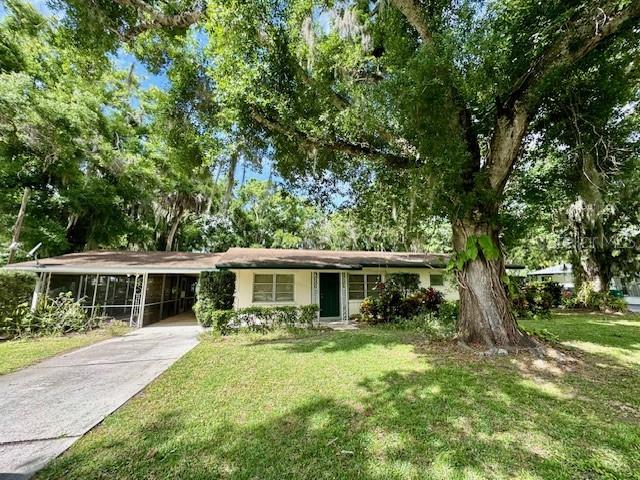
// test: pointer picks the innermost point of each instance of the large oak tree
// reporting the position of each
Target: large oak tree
(448, 89)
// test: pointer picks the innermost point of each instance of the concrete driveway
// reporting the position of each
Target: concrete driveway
(46, 407)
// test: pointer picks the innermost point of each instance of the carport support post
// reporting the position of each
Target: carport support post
(164, 280)
(37, 291)
(143, 300)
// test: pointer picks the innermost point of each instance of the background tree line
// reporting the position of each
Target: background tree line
(110, 164)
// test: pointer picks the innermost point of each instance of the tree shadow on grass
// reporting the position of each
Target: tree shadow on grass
(623, 332)
(616, 339)
(345, 341)
(458, 419)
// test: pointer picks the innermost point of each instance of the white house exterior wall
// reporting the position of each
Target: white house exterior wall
(449, 291)
(303, 291)
(244, 287)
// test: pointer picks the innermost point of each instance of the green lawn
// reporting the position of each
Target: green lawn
(15, 354)
(379, 404)
(609, 336)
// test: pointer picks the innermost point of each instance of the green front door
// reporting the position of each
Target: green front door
(329, 295)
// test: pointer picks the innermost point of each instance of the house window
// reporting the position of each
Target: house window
(361, 286)
(436, 280)
(276, 287)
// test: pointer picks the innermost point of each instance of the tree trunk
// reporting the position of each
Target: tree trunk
(588, 268)
(17, 227)
(231, 181)
(173, 230)
(485, 309)
(591, 253)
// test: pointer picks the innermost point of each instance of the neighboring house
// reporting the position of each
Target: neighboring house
(144, 287)
(563, 274)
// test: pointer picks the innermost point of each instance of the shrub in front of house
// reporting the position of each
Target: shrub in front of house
(405, 283)
(16, 289)
(534, 299)
(308, 314)
(436, 324)
(204, 309)
(52, 316)
(383, 307)
(390, 305)
(217, 289)
(215, 294)
(257, 318)
(428, 299)
(587, 298)
(222, 320)
(448, 312)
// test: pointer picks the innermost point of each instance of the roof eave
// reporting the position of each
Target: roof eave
(108, 270)
(280, 266)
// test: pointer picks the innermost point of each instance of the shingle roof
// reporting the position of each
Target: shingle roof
(325, 259)
(120, 261)
(114, 261)
(123, 261)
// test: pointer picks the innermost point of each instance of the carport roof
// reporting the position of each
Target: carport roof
(116, 261)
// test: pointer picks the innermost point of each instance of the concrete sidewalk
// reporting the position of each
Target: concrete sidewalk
(46, 407)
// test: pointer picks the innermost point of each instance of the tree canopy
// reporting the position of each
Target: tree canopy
(428, 109)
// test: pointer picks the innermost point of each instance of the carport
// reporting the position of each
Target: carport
(137, 287)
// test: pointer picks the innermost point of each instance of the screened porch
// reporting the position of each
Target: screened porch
(139, 299)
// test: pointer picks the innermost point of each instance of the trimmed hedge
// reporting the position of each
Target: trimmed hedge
(215, 293)
(257, 318)
(16, 289)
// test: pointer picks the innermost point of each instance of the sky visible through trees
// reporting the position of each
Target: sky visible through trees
(143, 124)
(123, 60)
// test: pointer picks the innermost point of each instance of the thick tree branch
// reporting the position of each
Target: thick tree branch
(336, 145)
(341, 103)
(414, 12)
(581, 37)
(155, 18)
(506, 140)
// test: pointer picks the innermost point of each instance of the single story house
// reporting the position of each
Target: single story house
(563, 274)
(144, 287)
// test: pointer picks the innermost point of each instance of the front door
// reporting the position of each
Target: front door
(329, 295)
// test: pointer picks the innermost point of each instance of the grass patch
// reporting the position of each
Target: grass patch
(16, 354)
(376, 404)
(611, 337)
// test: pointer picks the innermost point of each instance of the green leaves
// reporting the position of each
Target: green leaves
(475, 246)
(471, 248)
(489, 249)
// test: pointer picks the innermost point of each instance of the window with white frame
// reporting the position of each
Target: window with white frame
(276, 287)
(363, 285)
(436, 280)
